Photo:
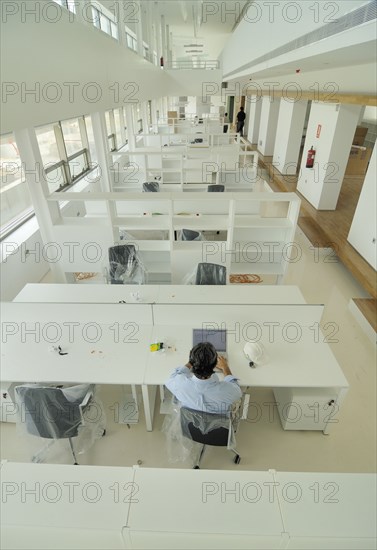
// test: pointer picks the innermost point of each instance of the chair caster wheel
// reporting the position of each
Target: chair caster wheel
(237, 459)
(104, 433)
(76, 464)
(196, 468)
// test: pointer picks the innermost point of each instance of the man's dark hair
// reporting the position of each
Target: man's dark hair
(241, 108)
(203, 358)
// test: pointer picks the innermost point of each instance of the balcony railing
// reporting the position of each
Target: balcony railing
(192, 64)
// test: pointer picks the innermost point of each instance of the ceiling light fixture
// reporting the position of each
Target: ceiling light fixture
(193, 45)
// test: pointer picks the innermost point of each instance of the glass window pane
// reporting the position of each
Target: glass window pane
(47, 145)
(55, 179)
(14, 194)
(92, 145)
(72, 136)
(96, 18)
(114, 30)
(77, 166)
(108, 124)
(105, 24)
(119, 140)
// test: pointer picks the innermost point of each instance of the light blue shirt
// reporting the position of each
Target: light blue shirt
(209, 395)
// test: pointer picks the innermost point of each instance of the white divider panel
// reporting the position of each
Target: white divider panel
(303, 315)
(75, 508)
(87, 293)
(81, 244)
(213, 508)
(85, 313)
(328, 505)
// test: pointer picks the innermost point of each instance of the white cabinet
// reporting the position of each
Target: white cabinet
(306, 409)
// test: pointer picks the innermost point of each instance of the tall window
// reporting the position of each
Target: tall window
(131, 39)
(104, 20)
(65, 152)
(69, 4)
(116, 130)
(15, 200)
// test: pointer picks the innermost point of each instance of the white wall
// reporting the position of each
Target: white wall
(370, 114)
(254, 109)
(288, 135)
(363, 229)
(76, 69)
(267, 127)
(20, 267)
(321, 185)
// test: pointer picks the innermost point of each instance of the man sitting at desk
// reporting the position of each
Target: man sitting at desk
(197, 387)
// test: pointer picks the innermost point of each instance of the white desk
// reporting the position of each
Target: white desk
(224, 509)
(71, 507)
(305, 364)
(162, 294)
(64, 506)
(323, 510)
(86, 293)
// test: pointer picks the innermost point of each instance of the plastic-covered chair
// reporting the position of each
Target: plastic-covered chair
(57, 413)
(208, 429)
(210, 274)
(216, 188)
(126, 266)
(151, 187)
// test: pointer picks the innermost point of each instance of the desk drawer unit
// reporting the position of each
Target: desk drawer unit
(306, 409)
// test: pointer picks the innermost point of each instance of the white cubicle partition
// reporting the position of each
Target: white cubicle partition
(91, 507)
(301, 315)
(63, 506)
(162, 294)
(85, 313)
(324, 510)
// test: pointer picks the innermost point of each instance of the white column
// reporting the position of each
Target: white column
(154, 108)
(253, 108)
(144, 116)
(289, 135)
(330, 132)
(139, 29)
(45, 212)
(268, 124)
(163, 40)
(122, 17)
(362, 234)
(100, 139)
(130, 127)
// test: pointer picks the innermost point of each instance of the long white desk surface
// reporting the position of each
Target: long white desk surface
(304, 364)
(50, 506)
(63, 506)
(163, 294)
(110, 360)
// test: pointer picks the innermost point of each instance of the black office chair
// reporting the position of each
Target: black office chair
(48, 413)
(208, 429)
(216, 188)
(189, 235)
(151, 187)
(125, 265)
(210, 274)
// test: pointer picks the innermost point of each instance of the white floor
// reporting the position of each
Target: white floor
(262, 443)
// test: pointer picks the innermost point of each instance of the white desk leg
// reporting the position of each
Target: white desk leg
(149, 399)
(162, 394)
(133, 389)
(341, 395)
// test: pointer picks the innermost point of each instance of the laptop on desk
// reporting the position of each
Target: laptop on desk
(216, 337)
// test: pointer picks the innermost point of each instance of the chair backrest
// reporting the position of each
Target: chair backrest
(151, 187)
(189, 235)
(206, 428)
(122, 259)
(47, 412)
(216, 188)
(210, 274)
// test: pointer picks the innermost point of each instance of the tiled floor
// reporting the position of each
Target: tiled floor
(262, 443)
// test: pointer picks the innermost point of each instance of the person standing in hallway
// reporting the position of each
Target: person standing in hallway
(241, 115)
(226, 123)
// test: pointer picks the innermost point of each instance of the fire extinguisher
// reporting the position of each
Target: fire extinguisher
(310, 158)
